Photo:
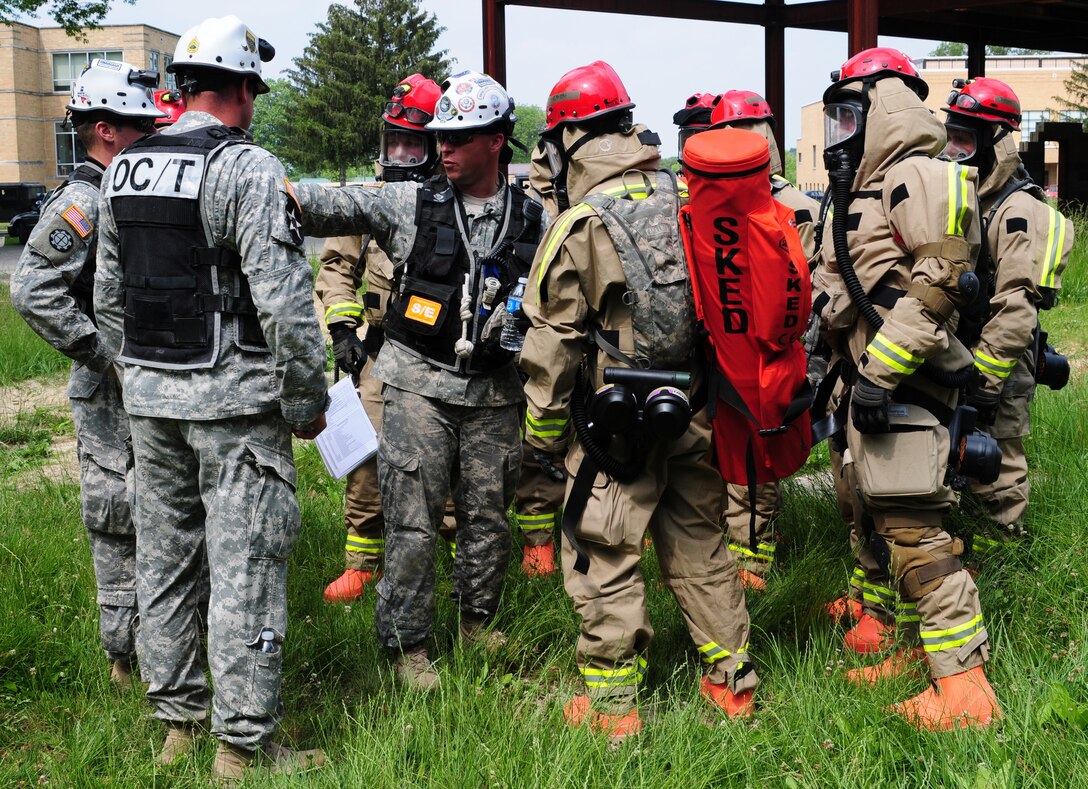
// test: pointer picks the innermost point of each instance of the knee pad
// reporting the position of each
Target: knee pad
(927, 578)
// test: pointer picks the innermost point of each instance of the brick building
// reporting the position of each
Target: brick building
(1037, 79)
(37, 67)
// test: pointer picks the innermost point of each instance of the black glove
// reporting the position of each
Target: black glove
(550, 464)
(348, 350)
(984, 402)
(869, 407)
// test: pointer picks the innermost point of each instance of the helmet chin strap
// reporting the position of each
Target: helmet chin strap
(559, 179)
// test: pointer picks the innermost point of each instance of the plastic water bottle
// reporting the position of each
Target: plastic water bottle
(511, 339)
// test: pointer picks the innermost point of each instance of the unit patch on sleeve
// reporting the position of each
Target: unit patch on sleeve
(293, 213)
(61, 240)
(78, 220)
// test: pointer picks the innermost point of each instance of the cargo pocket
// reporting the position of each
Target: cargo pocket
(830, 299)
(398, 476)
(261, 696)
(905, 462)
(1013, 410)
(605, 520)
(275, 519)
(104, 502)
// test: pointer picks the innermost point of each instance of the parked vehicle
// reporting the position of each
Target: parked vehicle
(17, 198)
(1051, 191)
(21, 224)
(816, 194)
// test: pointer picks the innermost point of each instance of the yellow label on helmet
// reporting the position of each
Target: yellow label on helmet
(194, 45)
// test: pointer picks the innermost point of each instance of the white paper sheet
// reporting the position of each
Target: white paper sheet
(349, 438)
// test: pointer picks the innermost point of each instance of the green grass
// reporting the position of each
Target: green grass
(25, 354)
(27, 441)
(498, 722)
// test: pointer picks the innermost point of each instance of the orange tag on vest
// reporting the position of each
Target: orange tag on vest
(423, 310)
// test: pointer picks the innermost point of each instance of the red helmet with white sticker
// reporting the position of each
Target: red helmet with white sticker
(738, 106)
(412, 104)
(584, 93)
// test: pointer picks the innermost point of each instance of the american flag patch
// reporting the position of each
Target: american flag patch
(78, 221)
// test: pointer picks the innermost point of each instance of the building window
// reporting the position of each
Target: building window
(1030, 119)
(70, 150)
(153, 60)
(169, 83)
(813, 155)
(67, 66)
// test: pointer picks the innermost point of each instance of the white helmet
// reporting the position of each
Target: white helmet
(226, 44)
(116, 87)
(471, 100)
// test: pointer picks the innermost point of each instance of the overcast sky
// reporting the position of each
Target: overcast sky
(661, 61)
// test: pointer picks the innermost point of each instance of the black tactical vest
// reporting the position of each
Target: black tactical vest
(174, 305)
(83, 287)
(424, 312)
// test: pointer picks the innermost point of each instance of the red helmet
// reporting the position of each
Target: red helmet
(586, 92)
(874, 64)
(412, 104)
(985, 99)
(736, 106)
(695, 112)
(170, 102)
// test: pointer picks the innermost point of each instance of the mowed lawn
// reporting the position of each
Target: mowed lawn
(498, 721)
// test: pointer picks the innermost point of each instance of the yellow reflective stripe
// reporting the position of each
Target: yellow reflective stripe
(989, 364)
(892, 355)
(907, 612)
(343, 309)
(545, 428)
(533, 522)
(611, 677)
(1054, 247)
(714, 652)
(637, 193)
(952, 637)
(875, 593)
(364, 544)
(957, 198)
(556, 237)
(764, 550)
(982, 544)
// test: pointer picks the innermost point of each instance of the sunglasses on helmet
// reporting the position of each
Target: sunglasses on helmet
(455, 138)
(394, 109)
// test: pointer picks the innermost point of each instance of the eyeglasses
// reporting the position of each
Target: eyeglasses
(455, 138)
(394, 109)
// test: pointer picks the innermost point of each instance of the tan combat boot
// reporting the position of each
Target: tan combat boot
(121, 674)
(415, 670)
(477, 631)
(180, 742)
(231, 763)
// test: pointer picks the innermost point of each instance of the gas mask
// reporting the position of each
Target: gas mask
(844, 130)
(559, 156)
(406, 155)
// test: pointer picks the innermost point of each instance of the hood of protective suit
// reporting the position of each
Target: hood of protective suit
(1006, 160)
(764, 129)
(898, 125)
(540, 174)
(605, 156)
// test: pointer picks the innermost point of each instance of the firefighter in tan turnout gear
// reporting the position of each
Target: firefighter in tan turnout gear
(589, 300)
(897, 265)
(1028, 243)
(744, 109)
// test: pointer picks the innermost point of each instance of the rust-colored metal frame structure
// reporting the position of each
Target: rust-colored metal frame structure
(1057, 25)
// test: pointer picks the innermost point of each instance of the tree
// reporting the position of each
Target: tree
(527, 130)
(959, 49)
(269, 127)
(1076, 99)
(346, 74)
(72, 15)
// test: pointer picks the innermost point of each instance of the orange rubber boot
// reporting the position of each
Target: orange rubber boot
(751, 581)
(350, 586)
(868, 636)
(961, 700)
(538, 560)
(904, 661)
(844, 608)
(735, 705)
(618, 727)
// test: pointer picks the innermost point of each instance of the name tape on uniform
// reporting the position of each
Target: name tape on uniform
(158, 175)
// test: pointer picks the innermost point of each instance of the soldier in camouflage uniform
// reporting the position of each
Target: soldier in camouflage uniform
(609, 289)
(52, 290)
(204, 292)
(459, 242)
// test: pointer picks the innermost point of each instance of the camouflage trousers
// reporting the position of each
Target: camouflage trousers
(225, 489)
(105, 465)
(363, 518)
(429, 449)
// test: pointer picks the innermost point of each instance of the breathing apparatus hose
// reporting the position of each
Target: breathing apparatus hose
(842, 178)
(617, 469)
